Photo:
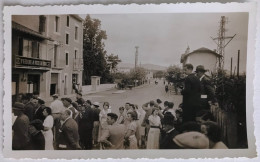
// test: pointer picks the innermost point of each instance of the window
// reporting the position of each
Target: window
(55, 55)
(28, 48)
(67, 58)
(67, 38)
(76, 51)
(57, 23)
(42, 23)
(76, 33)
(68, 21)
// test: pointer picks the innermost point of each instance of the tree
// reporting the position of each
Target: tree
(158, 74)
(138, 73)
(112, 62)
(93, 51)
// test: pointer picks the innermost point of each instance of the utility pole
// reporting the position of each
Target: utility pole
(221, 42)
(136, 56)
(238, 59)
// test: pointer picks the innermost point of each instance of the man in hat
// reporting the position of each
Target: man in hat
(207, 91)
(191, 94)
(21, 138)
(56, 109)
(169, 132)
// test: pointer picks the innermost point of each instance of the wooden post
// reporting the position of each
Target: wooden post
(238, 57)
(231, 67)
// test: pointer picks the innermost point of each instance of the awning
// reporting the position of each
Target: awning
(21, 28)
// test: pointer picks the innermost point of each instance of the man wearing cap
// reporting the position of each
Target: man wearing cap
(56, 109)
(207, 91)
(21, 138)
(169, 132)
(191, 94)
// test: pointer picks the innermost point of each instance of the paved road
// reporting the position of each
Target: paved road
(139, 96)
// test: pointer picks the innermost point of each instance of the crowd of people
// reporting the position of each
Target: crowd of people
(80, 124)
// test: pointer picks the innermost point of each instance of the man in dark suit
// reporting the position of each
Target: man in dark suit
(168, 133)
(38, 112)
(86, 123)
(21, 137)
(207, 90)
(68, 138)
(191, 94)
(29, 105)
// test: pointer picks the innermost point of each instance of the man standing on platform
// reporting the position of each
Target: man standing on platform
(191, 94)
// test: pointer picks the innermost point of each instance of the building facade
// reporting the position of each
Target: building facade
(202, 56)
(47, 54)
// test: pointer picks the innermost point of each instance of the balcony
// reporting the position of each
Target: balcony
(78, 64)
(32, 63)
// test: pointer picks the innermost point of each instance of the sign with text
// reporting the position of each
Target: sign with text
(25, 61)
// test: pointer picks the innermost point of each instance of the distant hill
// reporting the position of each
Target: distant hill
(146, 66)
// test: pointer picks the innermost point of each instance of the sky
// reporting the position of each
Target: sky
(162, 38)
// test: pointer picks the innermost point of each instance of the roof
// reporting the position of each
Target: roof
(26, 30)
(200, 50)
(77, 17)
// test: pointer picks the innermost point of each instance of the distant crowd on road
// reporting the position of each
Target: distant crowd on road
(80, 124)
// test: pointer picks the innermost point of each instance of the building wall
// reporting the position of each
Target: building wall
(64, 71)
(208, 60)
(21, 76)
(29, 21)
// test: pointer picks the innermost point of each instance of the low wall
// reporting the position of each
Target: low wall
(102, 87)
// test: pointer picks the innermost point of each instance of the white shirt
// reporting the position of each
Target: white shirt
(57, 106)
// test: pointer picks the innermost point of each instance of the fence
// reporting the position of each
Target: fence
(102, 87)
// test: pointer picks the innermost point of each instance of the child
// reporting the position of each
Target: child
(121, 116)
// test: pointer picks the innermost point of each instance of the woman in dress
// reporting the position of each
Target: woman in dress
(103, 118)
(154, 132)
(47, 131)
(131, 131)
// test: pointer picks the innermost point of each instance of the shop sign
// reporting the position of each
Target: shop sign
(25, 61)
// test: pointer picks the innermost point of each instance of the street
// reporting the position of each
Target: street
(138, 95)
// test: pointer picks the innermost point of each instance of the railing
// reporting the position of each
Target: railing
(78, 64)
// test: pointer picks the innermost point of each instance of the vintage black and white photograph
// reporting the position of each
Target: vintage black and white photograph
(129, 81)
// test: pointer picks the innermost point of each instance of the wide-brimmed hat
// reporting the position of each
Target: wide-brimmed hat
(96, 104)
(200, 68)
(192, 140)
(18, 106)
(55, 95)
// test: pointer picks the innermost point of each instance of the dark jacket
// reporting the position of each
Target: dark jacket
(37, 139)
(86, 120)
(208, 91)
(38, 113)
(96, 112)
(21, 137)
(68, 137)
(166, 141)
(191, 97)
(29, 109)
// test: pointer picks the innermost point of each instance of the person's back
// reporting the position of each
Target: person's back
(117, 133)
(21, 137)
